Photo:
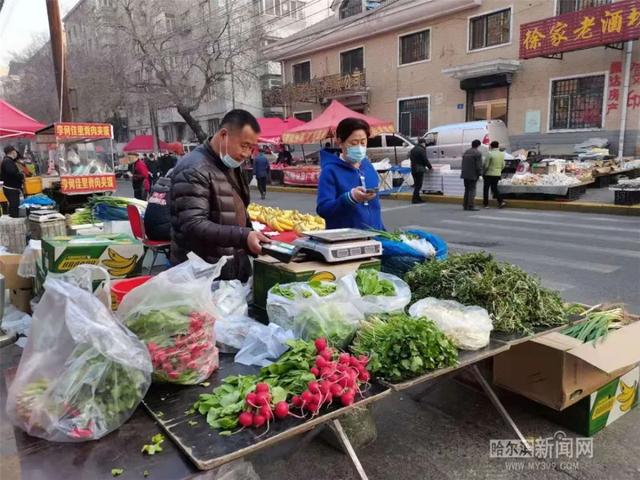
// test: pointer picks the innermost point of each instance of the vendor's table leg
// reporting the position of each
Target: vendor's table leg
(498, 404)
(344, 440)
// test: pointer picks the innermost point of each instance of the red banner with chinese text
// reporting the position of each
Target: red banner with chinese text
(592, 27)
(301, 176)
(68, 130)
(75, 184)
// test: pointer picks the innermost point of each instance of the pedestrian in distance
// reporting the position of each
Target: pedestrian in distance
(140, 179)
(13, 179)
(492, 174)
(261, 169)
(471, 172)
(419, 164)
(154, 168)
(209, 199)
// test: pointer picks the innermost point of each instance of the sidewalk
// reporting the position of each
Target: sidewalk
(596, 200)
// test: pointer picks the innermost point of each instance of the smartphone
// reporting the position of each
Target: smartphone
(372, 190)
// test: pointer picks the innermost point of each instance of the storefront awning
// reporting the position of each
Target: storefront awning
(482, 69)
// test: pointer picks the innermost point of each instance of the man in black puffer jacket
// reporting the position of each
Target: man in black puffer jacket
(209, 198)
(157, 217)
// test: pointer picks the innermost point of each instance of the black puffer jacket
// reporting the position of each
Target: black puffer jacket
(208, 212)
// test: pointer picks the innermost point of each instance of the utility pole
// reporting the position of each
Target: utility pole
(233, 80)
(59, 59)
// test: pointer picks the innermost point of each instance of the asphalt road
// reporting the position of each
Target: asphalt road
(589, 258)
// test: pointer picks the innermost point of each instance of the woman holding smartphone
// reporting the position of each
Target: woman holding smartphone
(348, 185)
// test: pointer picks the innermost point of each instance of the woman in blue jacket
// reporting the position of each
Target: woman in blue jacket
(348, 185)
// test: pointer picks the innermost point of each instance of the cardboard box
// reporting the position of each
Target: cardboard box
(602, 407)
(9, 268)
(121, 255)
(21, 299)
(558, 371)
(267, 272)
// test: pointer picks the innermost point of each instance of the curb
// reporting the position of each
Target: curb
(574, 206)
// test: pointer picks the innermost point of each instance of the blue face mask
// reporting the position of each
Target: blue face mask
(356, 153)
(228, 160)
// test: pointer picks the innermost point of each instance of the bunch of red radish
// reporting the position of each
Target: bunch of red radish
(337, 380)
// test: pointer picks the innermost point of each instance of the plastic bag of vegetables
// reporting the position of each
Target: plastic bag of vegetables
(375, 292)
(82, 373)
(468, 327)
(174, 315)
(314, 309)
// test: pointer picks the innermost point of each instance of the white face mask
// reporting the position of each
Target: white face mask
(227, 159)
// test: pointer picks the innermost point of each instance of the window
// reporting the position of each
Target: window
(170, 22)
(393, 141)
(576, 103)
(490, 30)
(568, 6)
(167, 131)
(304, 116)
(351, 61)
(414, 47)
(375, 142)
(413, 116)
(431, 138)
(302, 72)
(349, 8)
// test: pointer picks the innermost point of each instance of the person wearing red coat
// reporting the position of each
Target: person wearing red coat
(141, 180)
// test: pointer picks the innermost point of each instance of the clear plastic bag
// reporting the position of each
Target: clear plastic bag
(82, 373)
(232, 310)
(263, 344)
(174, 315)
(375, 304)
(468, 327)
(31, 254)
(310, 316)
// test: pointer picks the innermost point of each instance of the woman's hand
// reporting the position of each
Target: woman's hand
(360, 195)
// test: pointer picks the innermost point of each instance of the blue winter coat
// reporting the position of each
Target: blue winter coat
(334, 202)
(261, 166)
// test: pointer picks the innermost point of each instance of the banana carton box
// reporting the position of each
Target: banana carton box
(121, 255)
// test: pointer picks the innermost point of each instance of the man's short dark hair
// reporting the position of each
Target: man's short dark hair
(349, 125)
(495, 144)
(476, 144)
(422, 141)
(237, 119)
(8, 149)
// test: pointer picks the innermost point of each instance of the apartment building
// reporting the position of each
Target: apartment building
(425, 63)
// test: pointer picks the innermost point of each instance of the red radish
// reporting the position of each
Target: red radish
(246, 419)
(306, 396)
(347, 398)
(321, 344)
(314, 387)
(265, 411)
(296, 401)
(327, 354)
(259, 420)
(364, 376)
(263, 398)
(336, 390)
(321, 362)
(262, 387)
(344, 358)
(251, 399)
(282, 410)
(313, 407)
(315, 372)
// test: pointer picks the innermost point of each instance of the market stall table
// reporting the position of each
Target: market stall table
(567, 192)
(168, 404)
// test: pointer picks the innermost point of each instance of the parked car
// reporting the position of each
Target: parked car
(389, 145)
(447, 143)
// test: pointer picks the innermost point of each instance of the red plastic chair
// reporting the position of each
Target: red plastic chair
(137, 227)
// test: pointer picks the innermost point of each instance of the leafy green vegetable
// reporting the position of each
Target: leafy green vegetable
(514, 299)
(155, 446)
(145, 473)
(288, 376)
(323, 289)
(395, 236)
(116, 472)
(192, 423)
(326, 320)
(401, 347)
(596, 325)
(370, 283)
(285, 292)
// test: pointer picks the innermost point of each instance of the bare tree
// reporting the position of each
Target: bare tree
(178, 56)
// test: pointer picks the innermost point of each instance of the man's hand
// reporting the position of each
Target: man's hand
(360, 195)
(255, 241)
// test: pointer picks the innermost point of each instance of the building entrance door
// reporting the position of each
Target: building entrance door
(488, 104)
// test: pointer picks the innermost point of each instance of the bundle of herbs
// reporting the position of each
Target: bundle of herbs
(596, 325)
(401, 347)
(516, 300)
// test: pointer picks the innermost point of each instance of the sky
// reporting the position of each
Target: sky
(20, 21)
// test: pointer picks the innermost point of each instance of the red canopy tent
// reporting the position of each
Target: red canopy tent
(14, 123)
(143, 144)
(324, 126)
(271, 129)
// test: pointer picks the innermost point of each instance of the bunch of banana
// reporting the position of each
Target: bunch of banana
(285, 220)
(119, 266)
(627, 396)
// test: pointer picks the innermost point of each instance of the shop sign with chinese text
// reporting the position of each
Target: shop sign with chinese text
(75, 184)
(593, 27)
(70, 131)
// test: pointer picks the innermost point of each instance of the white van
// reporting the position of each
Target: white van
(447, 143)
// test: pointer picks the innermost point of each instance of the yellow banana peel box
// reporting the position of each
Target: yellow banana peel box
(559, 371)
(120, 254)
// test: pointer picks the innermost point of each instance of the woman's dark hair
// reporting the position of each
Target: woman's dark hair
(349, 125)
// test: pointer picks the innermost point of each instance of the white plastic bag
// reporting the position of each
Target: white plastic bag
(374, 304)
(31, 254)
(468, 327)
(174, 315)
(421, 245)
(309, 315)
(263, 344)
(82, 373)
